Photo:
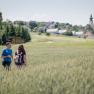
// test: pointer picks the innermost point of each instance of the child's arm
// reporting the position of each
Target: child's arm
(15, 59)
(15, 56)
(4, 56)
(11, 55)
(25, 59)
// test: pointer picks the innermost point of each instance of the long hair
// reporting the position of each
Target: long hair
(21, 49)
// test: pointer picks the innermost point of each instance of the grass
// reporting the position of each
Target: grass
(55, 65)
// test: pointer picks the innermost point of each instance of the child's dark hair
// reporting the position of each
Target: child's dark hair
(21, 49)
(7, 43)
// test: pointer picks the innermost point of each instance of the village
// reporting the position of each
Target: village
(57, 28)
(83, 32)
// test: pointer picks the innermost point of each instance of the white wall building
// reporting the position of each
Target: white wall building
(53, 31)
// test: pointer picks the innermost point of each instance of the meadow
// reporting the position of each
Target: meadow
(55, 65)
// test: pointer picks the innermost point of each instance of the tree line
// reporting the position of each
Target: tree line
(10, 31)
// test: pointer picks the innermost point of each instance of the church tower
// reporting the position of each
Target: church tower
(91, 20)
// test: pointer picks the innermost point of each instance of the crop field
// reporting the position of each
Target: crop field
(55, 65)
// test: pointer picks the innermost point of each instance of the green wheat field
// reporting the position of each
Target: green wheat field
(55, 65)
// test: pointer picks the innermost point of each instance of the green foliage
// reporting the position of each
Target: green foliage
(57, 25)
(32, 24)
(20, 22)
(40, 24)
(1, 18)
(47, 34)
(4, 39)
(7, 32)
(76, 28)
(68, 33)
(18, 31)
(11, 32)
(89, 28)
(25, 35)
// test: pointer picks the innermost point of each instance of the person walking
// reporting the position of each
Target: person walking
(20, 57)
(7, 56)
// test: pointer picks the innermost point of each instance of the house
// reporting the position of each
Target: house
(79, 33)
(52, 31)
(61, 31)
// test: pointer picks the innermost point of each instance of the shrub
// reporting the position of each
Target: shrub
(68, 33)
(47, 34)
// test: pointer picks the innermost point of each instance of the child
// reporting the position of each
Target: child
(20, 57)
(7, 56)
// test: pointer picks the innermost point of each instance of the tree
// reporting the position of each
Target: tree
(1, 27)
(75, 28)
(12, 31)
(7, 32)
(1, 17)
(4, 39)
(57, 25)
(25, 35)
(32, 24)
(89, 28)
(20, 22)
(18, 31)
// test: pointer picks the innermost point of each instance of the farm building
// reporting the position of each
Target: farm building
(79, 33)
(52, 31)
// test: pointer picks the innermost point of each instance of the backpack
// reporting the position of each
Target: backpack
(18, 57)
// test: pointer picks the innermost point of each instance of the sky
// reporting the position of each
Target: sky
(76, 12)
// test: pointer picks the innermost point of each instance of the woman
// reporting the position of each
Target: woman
(20, 57)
